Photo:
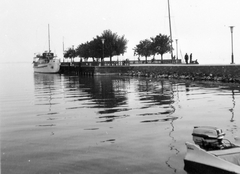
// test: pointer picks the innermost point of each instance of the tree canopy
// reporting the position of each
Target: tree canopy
(159, 44)
(143, 48)
(112, 45)
(70, 53)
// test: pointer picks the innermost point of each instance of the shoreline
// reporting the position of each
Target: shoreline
(223, 73)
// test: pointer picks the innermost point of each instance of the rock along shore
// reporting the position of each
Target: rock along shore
(223, 73)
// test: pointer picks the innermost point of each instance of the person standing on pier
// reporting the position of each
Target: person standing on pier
(186, 58)
(190, 58)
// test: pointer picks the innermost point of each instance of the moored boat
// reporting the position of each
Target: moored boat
(211, 153)
(47, 61)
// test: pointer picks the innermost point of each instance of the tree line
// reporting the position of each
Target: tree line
(109, 44)
(159, 44)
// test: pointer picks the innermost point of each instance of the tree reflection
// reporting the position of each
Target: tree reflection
(106, 92)
(157, 92)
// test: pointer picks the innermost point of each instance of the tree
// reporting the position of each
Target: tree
(144, 48)
(91, 49)
(121, 45)
(83, 51)
(95, 48)
(70, 53)
(161, 44)
(113, 44)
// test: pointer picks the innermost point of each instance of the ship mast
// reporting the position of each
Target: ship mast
(170, 28)
(63, 49)
(49, 39)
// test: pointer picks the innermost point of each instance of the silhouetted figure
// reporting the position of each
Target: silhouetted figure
(191, 58)
(186, 58)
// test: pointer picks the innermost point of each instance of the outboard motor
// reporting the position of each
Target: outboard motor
(208, 138)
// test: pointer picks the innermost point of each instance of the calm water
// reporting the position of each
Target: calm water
(68, 124)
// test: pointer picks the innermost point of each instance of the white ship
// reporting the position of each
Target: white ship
(46, 62)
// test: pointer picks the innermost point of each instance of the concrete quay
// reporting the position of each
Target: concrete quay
(224, 73)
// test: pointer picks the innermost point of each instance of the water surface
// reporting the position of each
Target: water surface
(104, 124)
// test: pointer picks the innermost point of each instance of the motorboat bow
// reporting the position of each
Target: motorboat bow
(211, 153)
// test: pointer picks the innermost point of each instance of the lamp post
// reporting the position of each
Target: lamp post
(103, 40)
(231, 29)
(177, 50)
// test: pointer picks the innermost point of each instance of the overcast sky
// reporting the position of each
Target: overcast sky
(201, 26)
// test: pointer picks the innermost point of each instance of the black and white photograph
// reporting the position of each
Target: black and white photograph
(120, 86)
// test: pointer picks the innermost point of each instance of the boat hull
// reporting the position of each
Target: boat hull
(208, 161)
(53, 66)
(197, 168)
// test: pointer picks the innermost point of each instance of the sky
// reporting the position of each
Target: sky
(200, 26)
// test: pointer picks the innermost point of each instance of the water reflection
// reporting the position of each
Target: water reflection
(234, 126)
(134, 104)
(46, 88)
(171, 145)
(172, 148)
(116, 97)
(229, 93)
(105, 92)
(232, 109)
(46, 96)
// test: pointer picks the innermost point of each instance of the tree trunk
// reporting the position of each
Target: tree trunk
(146, 58)
(161, 58)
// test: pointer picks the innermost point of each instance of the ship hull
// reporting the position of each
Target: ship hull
(53, 66)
